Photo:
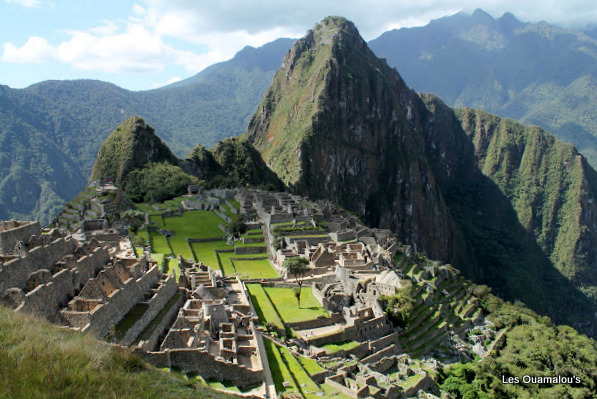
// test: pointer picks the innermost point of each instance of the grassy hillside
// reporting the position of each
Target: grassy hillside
(40, 360)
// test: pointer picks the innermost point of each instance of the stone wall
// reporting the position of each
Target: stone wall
(192, 240)
(390, 351)
(335, 318)
(204, 364)
(46, 299)
(99, 320)
(167, 319)
(162, 295)
(250, 250)
(15, 272)
(336, 382)
(384, 342)
(12, 232)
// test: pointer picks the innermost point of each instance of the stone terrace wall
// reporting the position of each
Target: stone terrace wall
(102, 317)
(163, 294)
(204, 364)
(167, 320)
(45, 300)
(15, 272)
(12, 232)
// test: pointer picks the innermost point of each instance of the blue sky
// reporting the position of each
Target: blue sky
(144, 44)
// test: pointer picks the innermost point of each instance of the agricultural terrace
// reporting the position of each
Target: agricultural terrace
(292, 375)
(285, 306)
(200, 224)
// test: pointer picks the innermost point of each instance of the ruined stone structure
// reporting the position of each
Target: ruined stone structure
(214, 333)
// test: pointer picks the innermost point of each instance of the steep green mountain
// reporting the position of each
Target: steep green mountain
(130, 146)
(339, 124)
(550, 185)
(232, 162)
(51, 131)
(535, 73)
(36, 175)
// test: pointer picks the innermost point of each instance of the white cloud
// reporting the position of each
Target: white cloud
(35, 50)
(26, 3)
(136, 49)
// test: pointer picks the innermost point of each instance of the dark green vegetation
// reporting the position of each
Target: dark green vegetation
(50, 132)
(232, 162)
(130, 146)
(535, 73)
(550, 185)
(39, 360)
(399, 306)
(532, 346)
(339, 124)
(157, 182)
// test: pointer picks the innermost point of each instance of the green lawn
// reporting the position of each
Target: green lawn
(205, 252)
(180, 246)
(286, 304)
(263, 306)
(341, 346)
(195, 224)
(139, 251)
(144, 207)
(226, 264)
(158, 243)
(306, 384)
(279, 369)
(157, 258)
(310, 365)
(156, 219)
(234, 203)
(172, 264)
(259, 268)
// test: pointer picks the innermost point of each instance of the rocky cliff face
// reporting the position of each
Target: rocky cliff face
(130, 146)
(338, 123)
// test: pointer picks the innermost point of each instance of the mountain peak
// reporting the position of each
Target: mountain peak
(130, 146)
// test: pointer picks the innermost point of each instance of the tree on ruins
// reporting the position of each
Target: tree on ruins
(297, 267)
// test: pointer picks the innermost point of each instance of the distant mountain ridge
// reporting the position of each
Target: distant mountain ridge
(536, 73)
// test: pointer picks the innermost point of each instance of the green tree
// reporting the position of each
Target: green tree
(399, 306)
(297, 267)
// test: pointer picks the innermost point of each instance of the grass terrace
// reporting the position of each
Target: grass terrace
(258, 268)
(250, 267)
(205, 252)
(286, 304)
(195, 224)
(172, 265)
(348, 345)
(159, 243)
(263, 306)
